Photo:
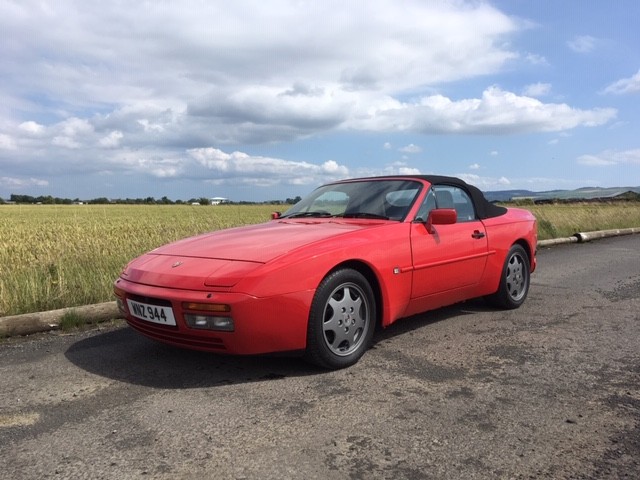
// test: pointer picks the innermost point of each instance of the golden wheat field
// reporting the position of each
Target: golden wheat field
(55, 256)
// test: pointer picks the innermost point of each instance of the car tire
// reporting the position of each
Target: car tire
(515, 279)
(341, 320)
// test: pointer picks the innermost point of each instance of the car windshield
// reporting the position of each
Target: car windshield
(375, 199)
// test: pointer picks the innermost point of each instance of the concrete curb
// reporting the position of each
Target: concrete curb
(29, 323)
(583, 237)
(588, 236)
(557, 241)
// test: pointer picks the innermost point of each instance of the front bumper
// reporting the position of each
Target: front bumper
(261, 325)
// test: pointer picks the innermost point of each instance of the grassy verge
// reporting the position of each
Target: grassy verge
(55, 256)
(71, 320)
(563, 220)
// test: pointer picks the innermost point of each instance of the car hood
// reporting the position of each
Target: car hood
(223, 258)
(259, 243)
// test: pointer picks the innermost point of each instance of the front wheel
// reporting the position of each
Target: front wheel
(514, 283)
(341, 320)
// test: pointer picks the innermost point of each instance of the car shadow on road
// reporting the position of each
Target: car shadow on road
(125, 355)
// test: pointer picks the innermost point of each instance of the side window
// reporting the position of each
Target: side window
(448, 196)
(428, 204)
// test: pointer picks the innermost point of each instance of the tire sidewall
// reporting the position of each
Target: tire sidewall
(507, 299)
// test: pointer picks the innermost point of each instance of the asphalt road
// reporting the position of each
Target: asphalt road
(551, 390)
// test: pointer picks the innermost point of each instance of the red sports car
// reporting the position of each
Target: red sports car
(319, 278)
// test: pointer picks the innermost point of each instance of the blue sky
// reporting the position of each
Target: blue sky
(255, 100)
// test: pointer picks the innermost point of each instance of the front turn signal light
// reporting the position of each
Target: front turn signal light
(207, 307)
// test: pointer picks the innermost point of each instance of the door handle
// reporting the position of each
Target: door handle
(477, 234)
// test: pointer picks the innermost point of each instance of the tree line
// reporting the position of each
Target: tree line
(50, 200)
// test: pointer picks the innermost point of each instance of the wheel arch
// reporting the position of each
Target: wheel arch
(365, 270)
(513, 287)
(527, 249)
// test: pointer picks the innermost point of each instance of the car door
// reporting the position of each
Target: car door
(452, 256)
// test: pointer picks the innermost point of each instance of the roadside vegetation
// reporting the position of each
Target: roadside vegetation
(565, 219)
(56, 256)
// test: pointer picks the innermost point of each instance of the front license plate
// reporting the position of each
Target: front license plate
(151, 313)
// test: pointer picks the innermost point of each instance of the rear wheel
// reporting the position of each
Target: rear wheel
(341, 320)
(514, 283)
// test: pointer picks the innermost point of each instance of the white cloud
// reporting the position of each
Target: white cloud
(32, 128)
(11, 182)
(405, 171)
(537, 90)
(256, 105)
(160, 167)
(7, 142)
(386, 146)
(394, 168)
(142, 164)
(65, 142)
(488, 183)
(266, 73)
(536, 59)
(112, 140)
(474, 166)
(71, 133)
(611, 157)
(260, 114)
(332, 167)
(397, 168)
(494, 153)
(150, 140)
(73, 127)
(544, 183)
(497, 112)
(150, 127)
(625, 85)
(94, 57)
(484, 183)
(582, 43)
(265, 171)
(411, 148)
(240, 168)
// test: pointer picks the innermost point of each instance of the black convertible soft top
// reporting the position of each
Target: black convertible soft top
(484, 208)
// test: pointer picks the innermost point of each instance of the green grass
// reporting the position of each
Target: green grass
(563, 220)
(57, 256)
(71, 320)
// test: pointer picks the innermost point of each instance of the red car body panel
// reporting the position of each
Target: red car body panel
(268, 274)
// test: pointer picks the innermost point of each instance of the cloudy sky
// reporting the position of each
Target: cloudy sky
(255, 100)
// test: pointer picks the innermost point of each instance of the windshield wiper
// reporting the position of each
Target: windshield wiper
(364, 215)
(313, 214)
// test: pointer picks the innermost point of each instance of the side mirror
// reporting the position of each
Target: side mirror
(441, 216)
(275, 215)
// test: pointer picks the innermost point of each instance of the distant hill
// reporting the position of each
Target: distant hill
(507, 195)
(585, 193)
